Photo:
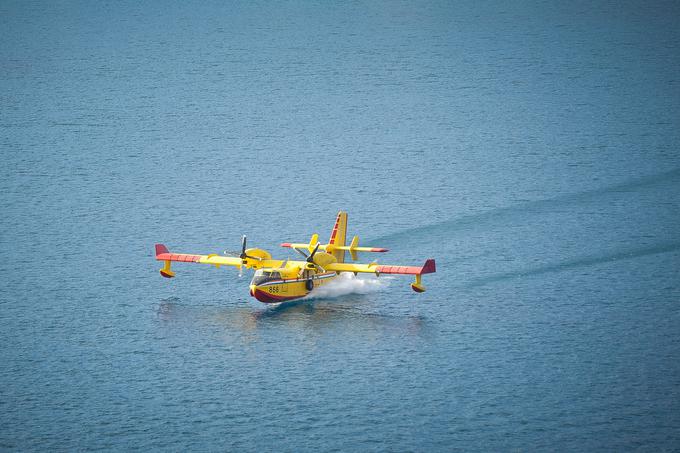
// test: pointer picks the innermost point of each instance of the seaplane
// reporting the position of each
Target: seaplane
(276, 281)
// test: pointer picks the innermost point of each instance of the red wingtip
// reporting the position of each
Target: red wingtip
(285, 244)
(429, 267)
(379, 249)
(160, 249)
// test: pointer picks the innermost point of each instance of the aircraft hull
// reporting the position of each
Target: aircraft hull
(284, 290)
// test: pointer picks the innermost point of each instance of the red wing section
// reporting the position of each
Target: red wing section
(428, 268)
(163, 254)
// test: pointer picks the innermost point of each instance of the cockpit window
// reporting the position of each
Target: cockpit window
(265, 276)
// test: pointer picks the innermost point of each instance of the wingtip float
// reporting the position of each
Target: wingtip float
(283, 280)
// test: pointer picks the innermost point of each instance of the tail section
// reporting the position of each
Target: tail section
(337, 243)
(338, 236)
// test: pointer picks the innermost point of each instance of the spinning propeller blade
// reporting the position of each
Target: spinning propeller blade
(244, 256)
(310, 259)
(300, 252)
(243, 247)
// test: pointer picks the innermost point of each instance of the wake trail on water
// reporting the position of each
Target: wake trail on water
(498, 215)
(347, 284)
(578, 263)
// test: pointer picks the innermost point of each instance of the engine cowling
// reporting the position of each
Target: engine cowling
(323, 259)
(259, 253)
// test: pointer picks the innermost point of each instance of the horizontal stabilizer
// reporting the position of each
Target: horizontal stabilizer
(353, 248)
(323, 247)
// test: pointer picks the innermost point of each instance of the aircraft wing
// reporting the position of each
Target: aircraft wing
(163, 254)
(428, 268)
(417, 286)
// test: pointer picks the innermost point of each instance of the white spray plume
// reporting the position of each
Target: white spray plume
(347, 283)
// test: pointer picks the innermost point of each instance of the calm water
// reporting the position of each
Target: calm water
(530, 147)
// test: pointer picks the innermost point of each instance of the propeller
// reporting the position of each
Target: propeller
(243, 248)
(300, 252)
(243, 255)
(310, 259)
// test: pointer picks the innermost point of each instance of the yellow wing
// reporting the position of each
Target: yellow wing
(261, 260)
(427, 268)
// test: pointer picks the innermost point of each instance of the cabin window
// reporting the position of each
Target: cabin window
(262, 276)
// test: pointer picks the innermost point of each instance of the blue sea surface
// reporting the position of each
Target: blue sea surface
(530, 147)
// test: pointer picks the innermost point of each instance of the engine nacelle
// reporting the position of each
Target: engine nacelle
(259, 253)
(323, 259)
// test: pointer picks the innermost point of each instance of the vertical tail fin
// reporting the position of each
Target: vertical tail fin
(338, 236)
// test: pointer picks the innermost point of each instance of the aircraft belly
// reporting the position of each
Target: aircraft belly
(287, 290)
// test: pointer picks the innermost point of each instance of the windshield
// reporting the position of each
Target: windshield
(265, 276)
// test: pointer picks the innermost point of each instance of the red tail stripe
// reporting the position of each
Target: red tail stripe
(335, 230)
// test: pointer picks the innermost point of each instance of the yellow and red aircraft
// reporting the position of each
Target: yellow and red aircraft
(283, 280)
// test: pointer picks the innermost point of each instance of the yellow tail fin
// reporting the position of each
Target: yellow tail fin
(338, 236)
